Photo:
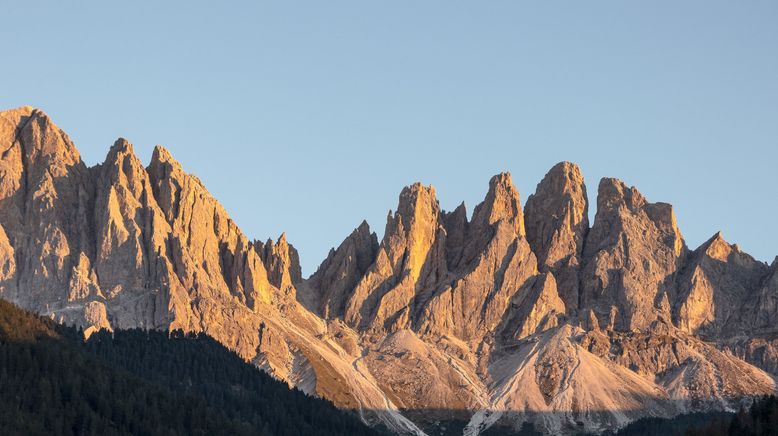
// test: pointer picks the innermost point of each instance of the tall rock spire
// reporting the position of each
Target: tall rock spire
(282, 262)
(502, 203)
(411, 256)
(557, 221)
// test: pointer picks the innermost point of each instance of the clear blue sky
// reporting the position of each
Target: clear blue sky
(307, 117)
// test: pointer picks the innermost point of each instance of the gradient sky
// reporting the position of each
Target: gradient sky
(307, 117)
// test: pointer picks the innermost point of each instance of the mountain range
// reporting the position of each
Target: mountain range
(506, 316)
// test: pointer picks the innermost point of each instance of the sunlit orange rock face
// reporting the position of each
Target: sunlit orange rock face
(506, 316)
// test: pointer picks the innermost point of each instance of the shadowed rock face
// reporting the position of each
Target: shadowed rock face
(510, 316)
(331, 286)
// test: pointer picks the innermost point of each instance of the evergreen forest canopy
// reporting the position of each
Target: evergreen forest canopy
(144, 383)
(761, 419)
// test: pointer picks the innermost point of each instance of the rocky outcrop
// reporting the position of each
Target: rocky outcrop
(281, 261)
(631, 258)
(510, 316)
(717, 280)
(330, 287)
(557, 221)
(536, 308)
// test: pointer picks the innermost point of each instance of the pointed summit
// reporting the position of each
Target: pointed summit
(416, 221)
(122, 165)
(410, 255)
(161, 155)
(333, 282)
(613, 193)
(121, 145)
(417, 202)
(717, 279)
(557, 220)
(502, 202)
(718, 248)
(282, 262)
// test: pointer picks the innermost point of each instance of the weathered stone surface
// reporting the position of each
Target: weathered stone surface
(631, 257)
(474, 303)
(717, 280)
(489, 260)
(332, 284)
(557, 221)
(762, 309)
(44, 210)
(502, 203)
(281, 261)
(537, 309)
(410, 257)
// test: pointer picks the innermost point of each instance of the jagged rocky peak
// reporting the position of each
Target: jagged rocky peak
(33, 132)
(411, 256)
(333, 282)
(122, 169)
(44, 189)
(168, 178)
(480, 313)
(490, 262)
(502, 202)
(557, 221)
(718, 279)
(282, 262)
(37, 160)
(631, 257)
(615, 199)
(413, 229)
(122, 190)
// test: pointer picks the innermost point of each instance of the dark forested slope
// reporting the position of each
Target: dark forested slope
(760, 419)
(144, 382)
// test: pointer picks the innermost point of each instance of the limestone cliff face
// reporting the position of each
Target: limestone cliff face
(495, 262)
(557, 221)
(763, 309)
(536, 310)
(631, 257)
(45, 194)
(510, 316)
